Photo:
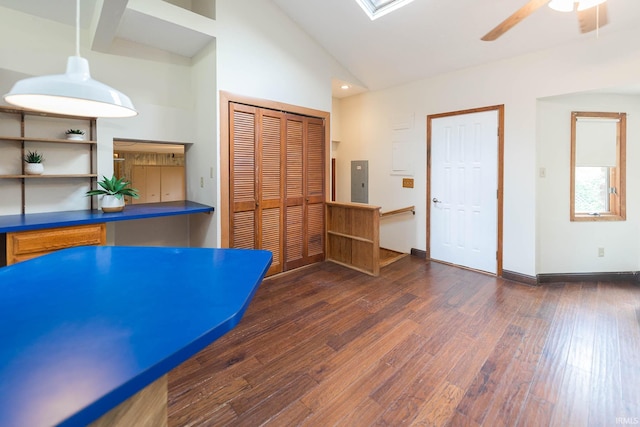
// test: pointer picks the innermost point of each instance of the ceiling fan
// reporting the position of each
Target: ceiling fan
(592, 14)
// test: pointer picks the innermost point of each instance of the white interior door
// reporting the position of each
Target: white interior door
(464, 190)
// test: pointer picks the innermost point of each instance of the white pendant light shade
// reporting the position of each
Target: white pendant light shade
(562, 5)
(586, 4)
(74, 93)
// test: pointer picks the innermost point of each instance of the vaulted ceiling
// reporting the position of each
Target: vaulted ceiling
(430, 37)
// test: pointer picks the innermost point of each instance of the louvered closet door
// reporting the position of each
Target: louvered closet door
(315, 191)
(304, 191)
(270, 181)
(256, 183)
(242, 182)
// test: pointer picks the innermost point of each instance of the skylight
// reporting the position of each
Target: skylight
(377, 8)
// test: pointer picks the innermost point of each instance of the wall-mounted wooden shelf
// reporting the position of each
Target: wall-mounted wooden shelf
(45, 176)
(28, 130)
(52, 140)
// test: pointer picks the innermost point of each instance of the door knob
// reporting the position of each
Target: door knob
(434, 200)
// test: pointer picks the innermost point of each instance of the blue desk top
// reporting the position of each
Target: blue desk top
(35, 221)
(83, 329)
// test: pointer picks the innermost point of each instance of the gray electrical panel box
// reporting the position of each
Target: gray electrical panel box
(360, 181)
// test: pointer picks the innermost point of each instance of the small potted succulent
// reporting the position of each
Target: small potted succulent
(33, 163)
(113, 191)
(77, 134)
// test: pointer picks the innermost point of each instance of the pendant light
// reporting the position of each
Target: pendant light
(74, 93)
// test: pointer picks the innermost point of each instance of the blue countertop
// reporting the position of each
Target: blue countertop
(35, 221)
(84, 329)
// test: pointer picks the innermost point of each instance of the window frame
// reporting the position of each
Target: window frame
(617, 177)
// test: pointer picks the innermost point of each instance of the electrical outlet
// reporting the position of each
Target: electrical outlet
(600, 252)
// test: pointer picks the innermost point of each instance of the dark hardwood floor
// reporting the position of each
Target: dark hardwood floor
(423, 344)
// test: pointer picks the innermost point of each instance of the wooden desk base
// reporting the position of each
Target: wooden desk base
(23, 245)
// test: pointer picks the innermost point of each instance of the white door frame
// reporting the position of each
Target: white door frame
(500, 111)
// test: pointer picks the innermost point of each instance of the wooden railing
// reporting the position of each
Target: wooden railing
(353, 236)
(411, 209)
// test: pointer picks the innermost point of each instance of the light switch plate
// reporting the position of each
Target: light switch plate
(407, 182)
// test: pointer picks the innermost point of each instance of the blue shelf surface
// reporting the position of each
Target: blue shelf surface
(83, 329)
(36, 221)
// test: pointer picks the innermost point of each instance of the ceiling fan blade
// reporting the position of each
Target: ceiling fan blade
(593, 18)
(511, 21)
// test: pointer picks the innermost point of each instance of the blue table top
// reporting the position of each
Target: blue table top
(35, 221)
(85, 328)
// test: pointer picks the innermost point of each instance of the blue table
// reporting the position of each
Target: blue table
(84, 329)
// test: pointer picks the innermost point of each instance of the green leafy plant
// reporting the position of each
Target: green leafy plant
(113, 186)
(74, 132)
(33, 157)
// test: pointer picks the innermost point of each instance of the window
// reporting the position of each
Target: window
(377, 8)
(598, 147)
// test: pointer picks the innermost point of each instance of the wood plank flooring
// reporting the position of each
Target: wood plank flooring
(422, 344)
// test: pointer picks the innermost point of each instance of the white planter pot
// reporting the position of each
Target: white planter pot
(33, 168)
(75, 136)
(112, 203)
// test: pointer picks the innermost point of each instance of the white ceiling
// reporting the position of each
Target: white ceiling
(430, 37)
(423, 39)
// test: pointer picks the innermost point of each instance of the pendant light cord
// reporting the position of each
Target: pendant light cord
(77, 27)
(597, 21)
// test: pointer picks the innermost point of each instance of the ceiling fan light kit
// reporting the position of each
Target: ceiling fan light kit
(568, 5)
(562, 5)
(590, 17)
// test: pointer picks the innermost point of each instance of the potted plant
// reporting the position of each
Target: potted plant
(113, 191)
(33, 163)
(77, 134)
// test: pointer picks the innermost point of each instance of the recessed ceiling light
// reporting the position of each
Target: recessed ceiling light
(377, 8)
(345, 86)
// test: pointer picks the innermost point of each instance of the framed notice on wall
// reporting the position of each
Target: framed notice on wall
(401, 156)
(401, 159)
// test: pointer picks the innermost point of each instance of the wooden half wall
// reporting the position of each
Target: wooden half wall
(353, 236)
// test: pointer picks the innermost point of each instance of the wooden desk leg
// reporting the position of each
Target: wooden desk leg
(147, 408)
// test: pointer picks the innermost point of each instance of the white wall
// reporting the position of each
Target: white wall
(258, 52)
(517, 83)
(262, 54)
(566, 246)
(161, 90)
(202, 158)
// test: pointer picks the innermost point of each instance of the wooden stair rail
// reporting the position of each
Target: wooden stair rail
(353, 236)
(411, 209)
